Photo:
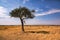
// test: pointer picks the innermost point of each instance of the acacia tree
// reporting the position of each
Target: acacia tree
(22, 13)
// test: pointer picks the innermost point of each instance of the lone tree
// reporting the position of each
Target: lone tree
(22, 13)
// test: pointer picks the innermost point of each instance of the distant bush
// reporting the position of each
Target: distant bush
(3, 28)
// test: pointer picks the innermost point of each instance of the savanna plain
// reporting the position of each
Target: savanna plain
(32, 32)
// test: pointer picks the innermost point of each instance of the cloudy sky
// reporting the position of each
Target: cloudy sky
(47, 12)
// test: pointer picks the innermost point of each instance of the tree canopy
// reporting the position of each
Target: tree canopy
(22, 12)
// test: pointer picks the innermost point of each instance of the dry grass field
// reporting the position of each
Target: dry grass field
(35, 32)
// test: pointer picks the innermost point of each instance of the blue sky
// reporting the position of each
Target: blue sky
(47, 12)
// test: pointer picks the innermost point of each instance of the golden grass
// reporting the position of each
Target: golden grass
(35, 32)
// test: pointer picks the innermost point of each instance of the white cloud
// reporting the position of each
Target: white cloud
(3, 12)
(10, 21)
(37, 9)
(24, 1)
(32, 21)
(52, 11)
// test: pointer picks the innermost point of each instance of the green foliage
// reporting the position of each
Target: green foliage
(22, 12)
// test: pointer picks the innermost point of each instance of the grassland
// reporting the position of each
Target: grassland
(35, 32)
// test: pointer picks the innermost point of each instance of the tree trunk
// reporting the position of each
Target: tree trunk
(22, 24)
